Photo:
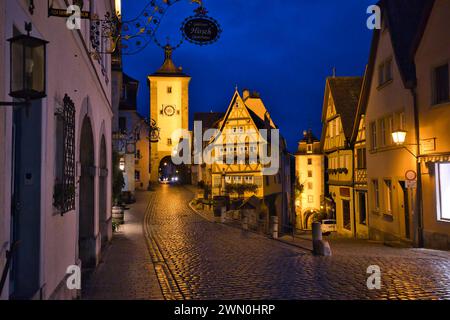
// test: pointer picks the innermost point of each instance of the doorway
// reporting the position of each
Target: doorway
(362, 208)
(26, 202)
(86, 234)
(347, 223)
(406, 209)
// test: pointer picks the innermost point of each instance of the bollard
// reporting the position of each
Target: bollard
(274, 222)
(245, 223)
(320, 247)
(223, 214)
(316, 231)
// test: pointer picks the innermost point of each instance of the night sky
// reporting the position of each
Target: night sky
(284, 49)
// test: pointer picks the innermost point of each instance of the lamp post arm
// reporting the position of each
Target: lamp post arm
(410, 152)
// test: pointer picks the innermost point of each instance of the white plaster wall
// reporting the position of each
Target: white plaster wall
(69, 70)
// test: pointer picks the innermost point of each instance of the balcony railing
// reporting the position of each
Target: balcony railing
(361, 176)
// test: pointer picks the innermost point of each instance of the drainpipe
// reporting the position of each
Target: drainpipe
(419, 209)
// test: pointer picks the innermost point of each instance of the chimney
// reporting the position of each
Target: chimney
(245, 94)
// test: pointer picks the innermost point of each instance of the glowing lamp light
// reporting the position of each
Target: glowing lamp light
(118, 6)
(399, 137)
(122, 164)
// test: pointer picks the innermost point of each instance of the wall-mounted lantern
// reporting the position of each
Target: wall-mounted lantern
(27, 68)
(122, 164)
(399, 137)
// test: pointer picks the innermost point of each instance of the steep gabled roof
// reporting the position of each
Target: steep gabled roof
(255, 103)
(259, 123)
(309, 137)
(362, 103)
(345, 92)
(404, 19)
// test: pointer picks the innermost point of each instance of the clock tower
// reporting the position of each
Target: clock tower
(169, 107)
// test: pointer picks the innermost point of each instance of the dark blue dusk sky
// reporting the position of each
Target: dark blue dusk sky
(283, 49)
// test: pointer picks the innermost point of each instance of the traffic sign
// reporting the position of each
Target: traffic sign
(410, 175)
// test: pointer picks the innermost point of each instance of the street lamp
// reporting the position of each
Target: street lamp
(28, 66)
(399, 137)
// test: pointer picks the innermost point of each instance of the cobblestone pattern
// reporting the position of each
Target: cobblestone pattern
(214, 261)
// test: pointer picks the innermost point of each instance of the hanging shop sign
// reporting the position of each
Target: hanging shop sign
(65, 13)
(201, 30)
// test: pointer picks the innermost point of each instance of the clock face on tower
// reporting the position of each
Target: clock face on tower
(169, 111)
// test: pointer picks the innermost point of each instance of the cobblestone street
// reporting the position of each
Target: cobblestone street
(196, 259)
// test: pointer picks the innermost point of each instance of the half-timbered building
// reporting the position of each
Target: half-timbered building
(338, 117)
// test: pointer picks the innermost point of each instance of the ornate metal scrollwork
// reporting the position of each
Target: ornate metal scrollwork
(132, 36)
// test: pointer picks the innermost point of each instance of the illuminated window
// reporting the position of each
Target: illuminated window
(388, 195)
(376, 195)
(248, 179)
(443, 191)
(361, 158)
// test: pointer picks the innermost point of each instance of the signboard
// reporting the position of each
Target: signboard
(64, 13)
(411, 184)
(201, 30)
(428, 145)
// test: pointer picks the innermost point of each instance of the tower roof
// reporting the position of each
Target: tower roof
(169, 69)
(309, 137)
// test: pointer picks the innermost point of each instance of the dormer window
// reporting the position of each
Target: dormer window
(309, 148)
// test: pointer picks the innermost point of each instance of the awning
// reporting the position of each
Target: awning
(435, 158)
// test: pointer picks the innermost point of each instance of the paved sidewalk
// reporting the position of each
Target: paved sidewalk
(126, 271)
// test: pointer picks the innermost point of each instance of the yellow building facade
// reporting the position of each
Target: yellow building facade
(241, 125)
(309, 174)
(338, 117)
(169, 107)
